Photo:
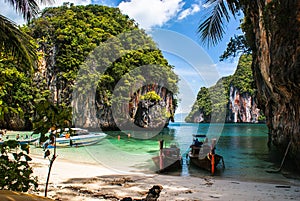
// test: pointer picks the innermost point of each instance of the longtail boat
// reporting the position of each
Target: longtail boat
(203, 155)
(169, 158)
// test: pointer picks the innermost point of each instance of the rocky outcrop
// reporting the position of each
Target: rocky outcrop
(242, 107)
(136, 113)
(13, 121)
(274, 35)
(232, 99)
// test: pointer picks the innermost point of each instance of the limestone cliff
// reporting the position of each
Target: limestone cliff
(242, 107)
(234, 96)
(273, 33)
(87, 55)
(138, 112)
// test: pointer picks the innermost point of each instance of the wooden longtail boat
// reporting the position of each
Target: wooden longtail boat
(169, 159)
(203, 155)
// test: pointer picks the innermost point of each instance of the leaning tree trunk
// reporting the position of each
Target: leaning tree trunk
(274, 32)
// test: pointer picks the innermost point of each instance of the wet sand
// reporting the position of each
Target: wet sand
(88, 182)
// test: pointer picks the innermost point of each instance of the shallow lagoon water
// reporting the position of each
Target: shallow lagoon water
(243, 146)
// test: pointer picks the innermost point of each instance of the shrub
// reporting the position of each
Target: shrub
(15, 171)
(151, 95)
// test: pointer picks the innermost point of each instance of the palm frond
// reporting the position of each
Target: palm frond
(14, 41)
(211, 29)
(28, 8)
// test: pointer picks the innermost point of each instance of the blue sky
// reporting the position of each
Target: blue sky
(176, 18)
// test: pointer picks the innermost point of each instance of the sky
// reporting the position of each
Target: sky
(195, 63)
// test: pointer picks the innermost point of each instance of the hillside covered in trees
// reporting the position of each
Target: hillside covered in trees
(84, 53)
(232, 99)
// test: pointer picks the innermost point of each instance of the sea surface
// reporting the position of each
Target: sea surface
(243, 146)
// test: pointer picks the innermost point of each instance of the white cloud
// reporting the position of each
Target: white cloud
(151, 13)
(190, 11)
(60, 3)
(8, 11)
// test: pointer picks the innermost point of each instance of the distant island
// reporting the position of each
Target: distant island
(232, 99)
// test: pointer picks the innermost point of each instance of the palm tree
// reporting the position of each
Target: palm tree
(211, 29)
(12, 40)
(273, 33)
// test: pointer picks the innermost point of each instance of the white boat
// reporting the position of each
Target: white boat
(75, 137)
(23, 141)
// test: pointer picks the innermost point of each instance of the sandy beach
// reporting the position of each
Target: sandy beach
(88, 182)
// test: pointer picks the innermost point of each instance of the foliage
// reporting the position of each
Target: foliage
(101, 45)
(214, 100)
(151, 96)
(236, 46)
(203, 104)
(28, 8)
(16, 89)
(51, 115)
(243, 77)
(15, 171)
(211, 28)
(69, 33)
(262, 118)
(12, 40)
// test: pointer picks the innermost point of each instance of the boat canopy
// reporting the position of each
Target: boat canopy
(199, 135)
(72, 130)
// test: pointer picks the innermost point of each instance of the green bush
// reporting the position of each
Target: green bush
(15, 171)
(151, 96)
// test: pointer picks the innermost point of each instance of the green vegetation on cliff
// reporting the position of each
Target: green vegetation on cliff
(66, 36)
(17, 93)
(214, 100)
(151, 95)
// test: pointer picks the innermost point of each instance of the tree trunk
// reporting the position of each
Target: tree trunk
(273, 30)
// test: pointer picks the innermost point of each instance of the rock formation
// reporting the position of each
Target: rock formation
(234, 96)
(242, 107)
(273, 32)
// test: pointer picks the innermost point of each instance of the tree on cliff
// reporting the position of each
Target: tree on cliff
(273, 33)
(86, 51)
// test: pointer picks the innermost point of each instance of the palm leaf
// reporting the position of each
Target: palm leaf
(211, 29)
(14, 41)
(28, 8)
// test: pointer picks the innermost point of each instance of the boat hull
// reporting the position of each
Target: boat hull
(169, 159)
(79, 141)
(26, 141)
(165, 164)
(205, 163)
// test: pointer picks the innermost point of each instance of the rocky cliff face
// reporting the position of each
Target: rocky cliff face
(154, 114)
(234, 96)
(242, 107)
(274, 35)
(133, 113)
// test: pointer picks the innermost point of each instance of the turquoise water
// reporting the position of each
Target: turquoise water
(243, 146)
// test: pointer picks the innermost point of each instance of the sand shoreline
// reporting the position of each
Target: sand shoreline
(88, 182)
